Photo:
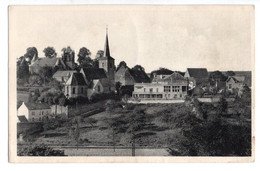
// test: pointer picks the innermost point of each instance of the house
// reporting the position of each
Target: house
(63, 76)
(66, 62)
(172, 78)
(76, 86)
(33, 112)
(173, 86)
(196, 76)
(160, 91)
(235, 82)
(95, 87)
(95, 76)
(128, 77)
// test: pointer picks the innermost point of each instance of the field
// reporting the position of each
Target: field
(175, 127)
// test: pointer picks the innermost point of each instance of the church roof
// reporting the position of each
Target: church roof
(76, 79)
(106, 54)
(198, 72)
(94, 73)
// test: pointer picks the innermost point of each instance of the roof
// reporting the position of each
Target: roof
(198, 72)
(45, 62)
(139, 76)
(237, 79)
(93, 83)
(22, 118)
(37, 106)
(63, 73)
(76, 79)
(94, 73)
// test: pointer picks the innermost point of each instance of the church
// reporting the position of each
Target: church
(91, 80)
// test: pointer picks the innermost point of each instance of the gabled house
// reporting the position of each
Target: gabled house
(235, 82)
(196, 76)
(174, 77)
(95, 87)
(91, 74)
(128, 77)
(76, 86)
(33, 112)
(160, 74)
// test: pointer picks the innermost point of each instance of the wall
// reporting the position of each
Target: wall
(38, 115)
(59, 110)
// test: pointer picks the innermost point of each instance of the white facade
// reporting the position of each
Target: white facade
(96, 89)
(33, 115)
(166, 91)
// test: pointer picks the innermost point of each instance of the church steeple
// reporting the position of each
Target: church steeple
(106, 48)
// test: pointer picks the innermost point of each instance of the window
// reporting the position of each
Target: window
(184, 88)
(82, 90)
(175, 88)
(73, 90)
(98, 88)
(42, 112)
(151, 90)
(167, 88)
(230, 86)
(157, 90)
(103, 65)
(33, 113)
(67, 90)
(144, 89)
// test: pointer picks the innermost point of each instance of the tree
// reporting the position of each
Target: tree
(138, 67)
(118, 86)
(230, 73)
(46, 73)
(49, 52)
(22, 69)
(99, 54)
(30, 53)
(122, 63)
(84, 57)
(222, 106)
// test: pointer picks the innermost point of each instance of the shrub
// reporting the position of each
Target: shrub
(40, 150)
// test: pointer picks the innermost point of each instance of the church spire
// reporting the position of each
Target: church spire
(106, 48)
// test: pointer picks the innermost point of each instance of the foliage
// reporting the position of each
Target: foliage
(84, 57)
(122, 63)
(49, 52)
(100, 53)
(30, 53)
(40, 150)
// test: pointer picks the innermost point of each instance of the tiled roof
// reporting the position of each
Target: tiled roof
(63, 73)
(41, 62)
(37, 106)
(237, 79)
(76, 79)
(22, 118)
(198, 72)
(139, 76)
(94, 73)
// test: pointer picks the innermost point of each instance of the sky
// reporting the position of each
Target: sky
(174, 37)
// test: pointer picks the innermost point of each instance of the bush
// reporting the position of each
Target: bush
(40, 150)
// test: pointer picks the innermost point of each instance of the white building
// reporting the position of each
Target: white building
(174, 86)
(34, 112)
